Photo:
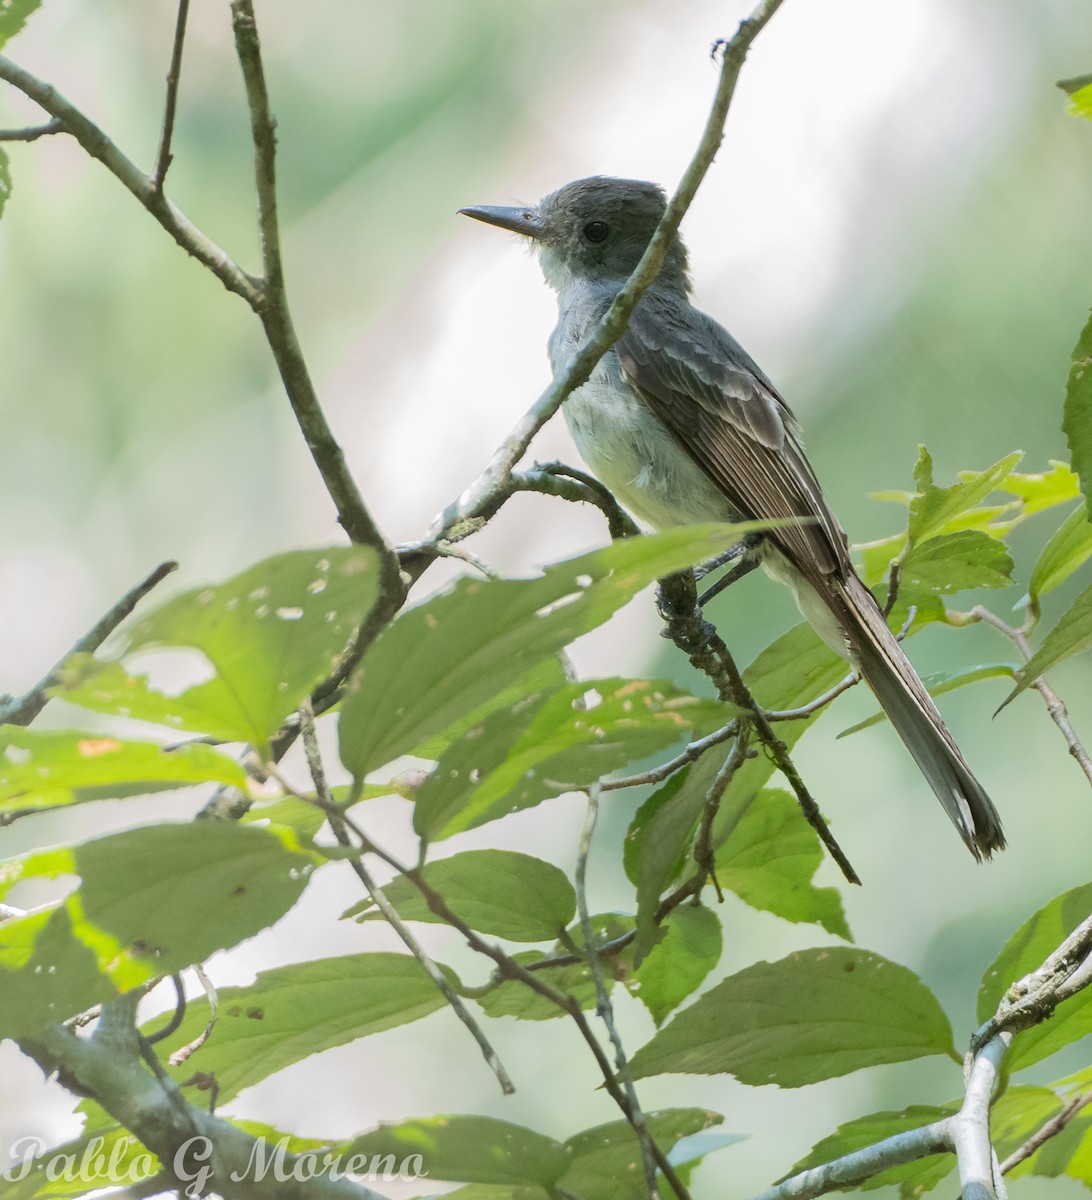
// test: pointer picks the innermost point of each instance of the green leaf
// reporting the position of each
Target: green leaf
(933, 508)
(606, 1161)
(306, 819)
(13, 16)
(1024, 952)
(5, 178)
(511, 998)
(538, 749)
(954, 562)
(677, 965)
(271, 634)
(815, 1015)
(1038, 492)
(790, 672)
(48, 768)
(944, 681)
(1071, 635)
(1079, 91)
(46, 973)
(471, 1149)
(859, 1134)
(1077, 412)
(94, 1160)
(151, 901)
(156, 899)
(450, 655)
(1067, 549)
(292, 1012)
(543, 679)
(498, 892)
(1018, 1113)
(769, 859)
(170, 895)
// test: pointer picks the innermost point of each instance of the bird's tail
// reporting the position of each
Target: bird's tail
(910, 708)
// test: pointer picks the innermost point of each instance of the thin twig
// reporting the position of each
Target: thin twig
(100, 147)
(272, 309)
(23, 709)
(33, 132)
(179, 1056)
(699, 640)
(1054, 705)
(390, 913)
(704, 850)
(477, 498)
(603, 1007)
(807, 710)
(665, 770)
(1046, 1131)
(174, 72)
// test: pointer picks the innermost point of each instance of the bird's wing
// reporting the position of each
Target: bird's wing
(729, 418)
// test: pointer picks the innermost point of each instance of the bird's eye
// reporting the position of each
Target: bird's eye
(596, 231)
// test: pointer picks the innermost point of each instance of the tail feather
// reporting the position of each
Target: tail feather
(910, 708)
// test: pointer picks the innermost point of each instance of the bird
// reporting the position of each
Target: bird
(683, 427)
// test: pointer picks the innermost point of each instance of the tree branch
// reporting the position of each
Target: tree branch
(272, 308)
(1046, 1131)
(603, 1006)
(698, 639)
(1054, 705)
(174, 72)
(100, 147)
(325, 802)
(109, 1067)
(23, 709)
(33, 132)
(862, 1165)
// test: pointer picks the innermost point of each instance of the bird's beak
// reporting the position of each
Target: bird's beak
(525, 221)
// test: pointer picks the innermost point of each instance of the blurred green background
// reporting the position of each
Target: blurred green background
(897, 227)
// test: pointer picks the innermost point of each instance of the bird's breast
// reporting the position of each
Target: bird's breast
(637, 456)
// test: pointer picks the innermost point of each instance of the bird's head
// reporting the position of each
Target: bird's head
(593, 229)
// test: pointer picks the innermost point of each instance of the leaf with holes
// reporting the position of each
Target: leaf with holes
(48, 768)
(292, 1012)
(955, 562)
(520, 756)
(150, 901)
(270, 635)
(453, 653)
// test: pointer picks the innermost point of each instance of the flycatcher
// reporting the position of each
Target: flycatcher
(683, 427)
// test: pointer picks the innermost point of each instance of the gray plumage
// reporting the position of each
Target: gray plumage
(683, 426)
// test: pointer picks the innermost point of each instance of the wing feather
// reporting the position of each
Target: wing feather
(730, 419)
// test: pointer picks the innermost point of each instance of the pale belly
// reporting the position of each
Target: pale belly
(638, 459)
